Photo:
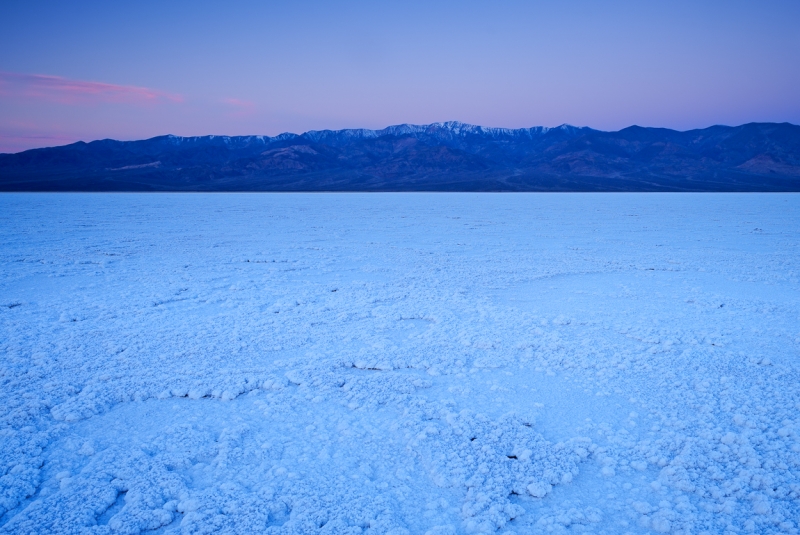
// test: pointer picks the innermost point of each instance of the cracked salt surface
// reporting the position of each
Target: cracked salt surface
(399, 363)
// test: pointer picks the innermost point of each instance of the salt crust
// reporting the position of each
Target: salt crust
(336, 364)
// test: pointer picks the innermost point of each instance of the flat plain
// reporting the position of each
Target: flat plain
(399, 363)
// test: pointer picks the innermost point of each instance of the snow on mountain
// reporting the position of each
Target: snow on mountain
(446, 130)
(442, 131)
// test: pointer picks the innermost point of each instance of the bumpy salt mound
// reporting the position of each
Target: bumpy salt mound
(493, 459)
(267, 464)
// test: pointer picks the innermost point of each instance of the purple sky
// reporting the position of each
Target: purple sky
(131, 70)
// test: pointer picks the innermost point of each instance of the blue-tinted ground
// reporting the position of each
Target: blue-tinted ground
(399, 363)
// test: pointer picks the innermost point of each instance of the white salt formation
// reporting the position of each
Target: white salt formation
(399, 363)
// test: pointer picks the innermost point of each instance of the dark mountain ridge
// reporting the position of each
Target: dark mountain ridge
(449, 156)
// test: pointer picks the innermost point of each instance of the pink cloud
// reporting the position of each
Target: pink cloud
(244, 108)
(66, 91)
(238, 103)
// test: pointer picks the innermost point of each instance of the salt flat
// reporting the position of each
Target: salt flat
(399, 363)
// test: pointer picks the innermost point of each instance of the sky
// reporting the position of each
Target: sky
(84, 70)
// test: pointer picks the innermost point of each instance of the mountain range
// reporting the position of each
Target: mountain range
(450, 156)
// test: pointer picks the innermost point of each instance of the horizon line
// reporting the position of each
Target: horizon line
(288, 135)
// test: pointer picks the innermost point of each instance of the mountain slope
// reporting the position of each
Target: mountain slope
(437, 157)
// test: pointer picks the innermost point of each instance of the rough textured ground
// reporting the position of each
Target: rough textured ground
(399, 363)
